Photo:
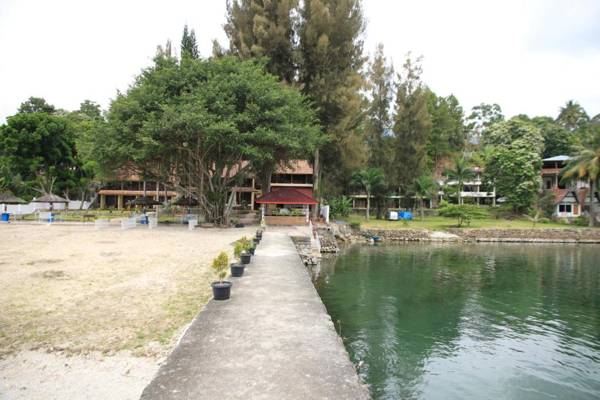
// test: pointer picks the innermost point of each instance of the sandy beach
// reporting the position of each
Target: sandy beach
(90, 314)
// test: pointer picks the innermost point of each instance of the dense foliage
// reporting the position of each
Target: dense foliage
(211, 122)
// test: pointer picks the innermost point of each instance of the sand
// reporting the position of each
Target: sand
(90, 313)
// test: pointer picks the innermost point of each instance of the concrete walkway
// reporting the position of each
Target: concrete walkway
(272, 340)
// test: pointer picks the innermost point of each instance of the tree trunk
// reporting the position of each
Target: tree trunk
(421, 207)
(265, 182)
(316, 183)
(83, 193)
(592, 213)
(460, 189)
(368, 204)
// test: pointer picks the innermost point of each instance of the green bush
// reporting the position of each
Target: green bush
(581, 221)
(355, 226)
(464, 213)
(241, 245)
(220, 264)
(340, 206)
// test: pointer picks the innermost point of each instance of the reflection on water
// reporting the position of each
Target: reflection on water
(476, 321)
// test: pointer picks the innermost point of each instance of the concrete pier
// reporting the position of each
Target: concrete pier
(272, 340)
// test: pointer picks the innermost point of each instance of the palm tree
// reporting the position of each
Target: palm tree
(572, 116)
(460, 172)
(369, 180)
(586, 165)
(423, 187)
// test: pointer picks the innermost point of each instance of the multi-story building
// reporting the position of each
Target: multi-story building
(472, 188)
(129, 186)
(571, 198)
(296, 174)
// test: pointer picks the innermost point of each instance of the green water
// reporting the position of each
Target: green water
(469, 322)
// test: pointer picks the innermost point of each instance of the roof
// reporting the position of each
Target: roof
(557, 158)
(559, 194)
(296, 167)
(581, 195)
(7, 198)
(286, 195)
(50, 198)
(144, 201)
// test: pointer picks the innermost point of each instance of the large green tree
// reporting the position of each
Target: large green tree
(209, 121)
(572, 116)
(36, 105)
(330, 63)
(513, 161)
(557, 139)
(37, 147)
(264, 28)
(448, 132)
(482, 117)
(411, 124)
(378, 121)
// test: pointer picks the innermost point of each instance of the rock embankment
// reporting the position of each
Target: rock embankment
(533, 235)
(537, 235)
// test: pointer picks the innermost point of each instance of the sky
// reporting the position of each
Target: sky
(528, 56)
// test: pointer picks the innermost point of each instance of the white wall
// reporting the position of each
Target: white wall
(33, 207)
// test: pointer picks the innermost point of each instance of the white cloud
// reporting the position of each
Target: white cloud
(530, 57)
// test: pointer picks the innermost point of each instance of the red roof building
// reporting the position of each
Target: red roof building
(287, 195)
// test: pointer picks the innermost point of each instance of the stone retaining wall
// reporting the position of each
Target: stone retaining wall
(541, 235)
(566, 235)
(403, 235)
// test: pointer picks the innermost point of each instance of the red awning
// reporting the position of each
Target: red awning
(286, 195)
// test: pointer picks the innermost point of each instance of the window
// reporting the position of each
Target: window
(565, 208)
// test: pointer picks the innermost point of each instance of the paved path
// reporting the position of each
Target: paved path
(272, 340)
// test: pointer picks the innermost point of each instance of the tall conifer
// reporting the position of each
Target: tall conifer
(412, 124)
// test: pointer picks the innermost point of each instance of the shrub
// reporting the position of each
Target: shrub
(462, 212)
(581, 221)
(340, 206)
(220, 264)
(241, 245)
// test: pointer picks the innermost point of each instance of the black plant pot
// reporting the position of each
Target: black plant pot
(237, 270)
(245, 258)
(251, 250)
(259, 234)
(256, 241)
(221, 290)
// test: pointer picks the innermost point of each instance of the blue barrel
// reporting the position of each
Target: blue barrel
(5, 217)
(51, 218)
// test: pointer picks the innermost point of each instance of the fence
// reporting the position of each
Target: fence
(128, 223)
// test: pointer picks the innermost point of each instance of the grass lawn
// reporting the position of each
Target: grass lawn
(441, 223)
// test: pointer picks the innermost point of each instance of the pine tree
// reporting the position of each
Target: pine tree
(189, 47)
(264, 28)
(412, 124)
(448, 132)
(331, 59)
(378, 122)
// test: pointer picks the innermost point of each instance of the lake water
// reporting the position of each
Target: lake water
(469, 321)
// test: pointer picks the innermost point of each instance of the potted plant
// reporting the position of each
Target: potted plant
(259, 233)
(237, 269)
(221, 289)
